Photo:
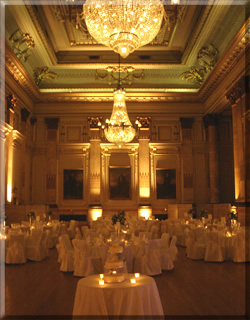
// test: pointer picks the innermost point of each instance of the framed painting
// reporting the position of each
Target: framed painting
(119, 183)
(72, 184)
(166, 183)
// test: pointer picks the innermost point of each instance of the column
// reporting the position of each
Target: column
(187, 160)
(238, 96)
(51, 172)
(210, 122)
(95, 160)
(144, 160)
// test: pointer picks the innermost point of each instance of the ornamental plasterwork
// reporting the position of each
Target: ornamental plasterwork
(22, 44)
(124, 75)
(43, 74)
(206, 58)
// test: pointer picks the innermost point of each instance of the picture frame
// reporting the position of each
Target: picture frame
(120, 183)
(72, 184)
(165, 184)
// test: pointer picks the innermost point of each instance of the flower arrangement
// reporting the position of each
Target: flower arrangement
(31, 214)
(120, 216)
(203, 213)
(50, 213)
(233, 215)
(193, 213)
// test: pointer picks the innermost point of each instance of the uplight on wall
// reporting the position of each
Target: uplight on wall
(9, 195)
(145, 212)
(94, 213)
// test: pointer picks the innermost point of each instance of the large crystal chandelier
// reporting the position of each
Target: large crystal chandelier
(119, 129)
(123, 25)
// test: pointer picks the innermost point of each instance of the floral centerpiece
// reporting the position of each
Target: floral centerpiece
(203, 213)
(50, 214)
(193, 213)
(233, 215)
(120, 216)
(30, 215)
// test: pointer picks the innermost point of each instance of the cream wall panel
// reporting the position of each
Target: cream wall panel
(38, 179)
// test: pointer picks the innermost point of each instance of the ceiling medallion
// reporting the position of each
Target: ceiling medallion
(123, 25)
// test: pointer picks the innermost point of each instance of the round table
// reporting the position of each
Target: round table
(124, 298)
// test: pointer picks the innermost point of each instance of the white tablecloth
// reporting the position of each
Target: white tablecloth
(141, 298)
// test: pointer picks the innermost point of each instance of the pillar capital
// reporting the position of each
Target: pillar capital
(238, 90)
(210, 119)
(186, 123)
(52, 123)
(24, 114)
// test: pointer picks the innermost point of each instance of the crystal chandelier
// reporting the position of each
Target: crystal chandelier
(119, 129)
(123, 25)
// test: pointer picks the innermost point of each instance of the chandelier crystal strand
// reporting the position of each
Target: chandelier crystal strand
(119, 129)
(123, 25)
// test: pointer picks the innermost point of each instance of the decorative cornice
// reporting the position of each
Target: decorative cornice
(238, 90)
(226, 63)
(42, 34)
(16, 69)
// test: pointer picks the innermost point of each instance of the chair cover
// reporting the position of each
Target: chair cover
(198, 247)
(178, 232)
(71, 229)
(15, 253)
(36, 247)
(66, 253)
(78, 234)
(240, 254)
(150, 262)
(214, 251)
(82, 262)
(166, 253)
(173, 248)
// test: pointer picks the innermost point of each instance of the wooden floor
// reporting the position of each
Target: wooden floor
(38, 290)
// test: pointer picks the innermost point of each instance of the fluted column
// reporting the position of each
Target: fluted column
(210, 121)
(238, 98)
(144, 160)
(95, 161)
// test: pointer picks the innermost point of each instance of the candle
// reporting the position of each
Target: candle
(137, 275)
(132, 280)
(101, 282)
(101, 276)
(114, 272)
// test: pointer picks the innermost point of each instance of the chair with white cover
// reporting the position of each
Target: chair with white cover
(37, 247)
(198, 247)
(173, 248)
(240, 254)
(71, 229)
(15, 252)
(190, 238)
(150, 262)
(178, 232)
(154, 232)
(82, 261)
(66, 253)
(85, 231)
(78, 234)
(214, 252)
(167, 262)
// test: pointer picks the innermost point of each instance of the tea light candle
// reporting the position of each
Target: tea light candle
(132, 280)
(137, 275)
(101, 276)
(101, 282)
(114, 272)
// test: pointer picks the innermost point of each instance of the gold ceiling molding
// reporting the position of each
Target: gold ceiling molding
(41, 33)
(227, 62)
(43, 74)
(16, 69)
(196, 33)
(22, 44)
(120, 74)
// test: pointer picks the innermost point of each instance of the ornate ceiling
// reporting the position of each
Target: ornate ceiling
(51, 54)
